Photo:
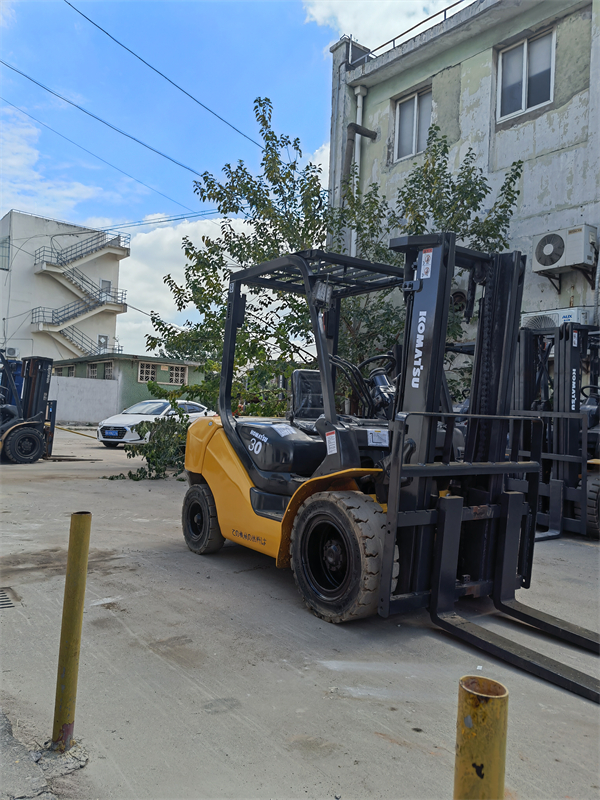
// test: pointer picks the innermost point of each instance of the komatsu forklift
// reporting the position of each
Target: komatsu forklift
(405, 504)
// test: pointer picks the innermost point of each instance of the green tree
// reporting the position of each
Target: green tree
(284, 209)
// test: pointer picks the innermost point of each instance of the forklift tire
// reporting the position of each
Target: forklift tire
(199, 520)
(24, 445)
(593, 508)
(336, 553)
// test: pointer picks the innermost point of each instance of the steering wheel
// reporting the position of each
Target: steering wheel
(387, 356)
(587, 388)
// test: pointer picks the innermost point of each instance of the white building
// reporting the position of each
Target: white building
(59, 287)
(514, 80)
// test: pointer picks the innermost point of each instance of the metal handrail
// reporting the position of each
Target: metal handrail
(83, 248)
(369, 55)
(77, 277)
(81, 340)
(56, 316)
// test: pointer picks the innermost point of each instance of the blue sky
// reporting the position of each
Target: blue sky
(225, 53)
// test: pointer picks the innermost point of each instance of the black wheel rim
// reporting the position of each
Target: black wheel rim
(327, 558)
(27, 446)
(196, 519)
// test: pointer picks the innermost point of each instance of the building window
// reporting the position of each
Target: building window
(147, 372)
(177, 375)
(58, 371)
(71, 372)
(5, 252)
(526, 75)
(92, 370)
(413, 118)
(108, 371)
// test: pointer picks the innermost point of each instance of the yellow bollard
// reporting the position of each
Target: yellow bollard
(70, 634)
(480, 739)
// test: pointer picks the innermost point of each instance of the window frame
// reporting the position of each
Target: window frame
(108, 370)
(180, 368)
(70, 370)
(525, 74)
(152, 367)
(93, 368)
(414, 96)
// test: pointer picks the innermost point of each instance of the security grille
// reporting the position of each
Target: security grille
(92, 370)
(147, 372)
(70, 372)
(108, 371)
(177, 374)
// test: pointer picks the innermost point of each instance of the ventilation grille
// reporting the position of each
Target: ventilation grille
(540, 322)
(550, 249)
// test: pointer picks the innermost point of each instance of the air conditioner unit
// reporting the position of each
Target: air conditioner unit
(13, 352)
(560, 251)
(582, 315)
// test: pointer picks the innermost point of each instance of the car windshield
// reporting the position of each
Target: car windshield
(149, 408)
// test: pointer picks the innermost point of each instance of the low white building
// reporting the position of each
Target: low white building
(59, 287)
(514, 80)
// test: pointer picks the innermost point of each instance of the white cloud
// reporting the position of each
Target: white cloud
(372, 22)
(321, 158)
(24, 184)
(155, 254)
(7, 13)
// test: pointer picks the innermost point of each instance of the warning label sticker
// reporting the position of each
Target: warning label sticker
(331, 443)
(426, 258)
(378, 438)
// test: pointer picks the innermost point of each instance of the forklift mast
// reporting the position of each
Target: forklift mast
(460, 491)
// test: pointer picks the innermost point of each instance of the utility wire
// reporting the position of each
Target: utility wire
(104, 161)
(161, 220)
(158, 72)
(103, 121)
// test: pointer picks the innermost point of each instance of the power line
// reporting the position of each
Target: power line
(104, 161)
(158, 72)
(161, 220)
(103, 121)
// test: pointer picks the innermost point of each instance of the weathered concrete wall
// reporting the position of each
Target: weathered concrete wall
(84, 399)
(558, 143)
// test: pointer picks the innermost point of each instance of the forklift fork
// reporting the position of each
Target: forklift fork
(443, 598)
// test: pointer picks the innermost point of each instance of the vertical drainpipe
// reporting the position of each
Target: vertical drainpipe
(360, 92)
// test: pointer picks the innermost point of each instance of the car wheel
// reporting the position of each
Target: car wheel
(24, 445)
(199, 520)
(110, 444)
(336, 553)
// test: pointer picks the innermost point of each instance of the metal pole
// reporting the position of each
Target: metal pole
(480, 739)
(70, 634)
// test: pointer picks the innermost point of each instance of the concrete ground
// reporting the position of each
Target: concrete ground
(205, 677)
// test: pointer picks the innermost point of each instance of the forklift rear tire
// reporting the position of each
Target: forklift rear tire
(24, 445)
(336, 553)
(199, 520)
(593, 508)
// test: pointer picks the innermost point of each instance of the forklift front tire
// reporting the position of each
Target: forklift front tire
(593, 507)
(336, 553)
(24, 445)
(199, 520)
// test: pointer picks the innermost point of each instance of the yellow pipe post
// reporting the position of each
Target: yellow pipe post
(480, 739)
(70, 634)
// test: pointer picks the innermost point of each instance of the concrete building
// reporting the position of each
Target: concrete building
(514, 80)
(60, 291)
(92, 388)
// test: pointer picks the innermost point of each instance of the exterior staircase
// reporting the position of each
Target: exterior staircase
(91, 297)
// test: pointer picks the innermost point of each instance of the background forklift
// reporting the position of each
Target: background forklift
(556, 379)
(398, 508)
(27, 417)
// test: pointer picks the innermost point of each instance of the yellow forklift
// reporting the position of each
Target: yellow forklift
(405, 504)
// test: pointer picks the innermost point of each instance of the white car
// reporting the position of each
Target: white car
(120, 428)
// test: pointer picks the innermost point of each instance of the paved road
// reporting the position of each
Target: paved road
(205, 677)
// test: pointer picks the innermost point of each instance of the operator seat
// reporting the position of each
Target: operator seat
(307, 400)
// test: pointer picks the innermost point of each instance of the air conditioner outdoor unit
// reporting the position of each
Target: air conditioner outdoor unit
(560, 251)
(583, 315)
(13, 352)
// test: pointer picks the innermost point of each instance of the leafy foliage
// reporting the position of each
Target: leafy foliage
(165, 449)
(285, 209)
